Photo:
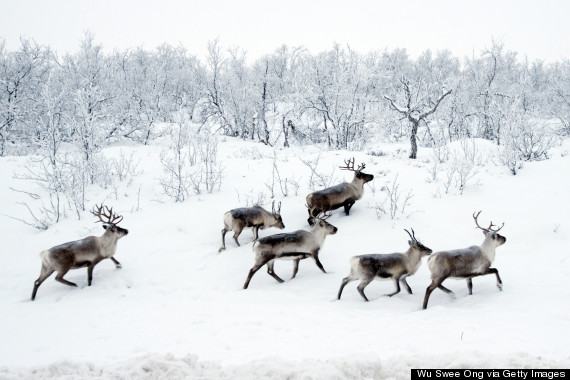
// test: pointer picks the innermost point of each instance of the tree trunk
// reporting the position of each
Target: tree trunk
(286, 132)
(413, 140)
(2, 144)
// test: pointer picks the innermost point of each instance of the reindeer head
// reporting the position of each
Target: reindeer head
(112, 220)
(416, 244)
(319, 222)
(349, 165)
(489, 232)
(277, 215)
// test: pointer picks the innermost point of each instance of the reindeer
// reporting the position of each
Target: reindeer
(294, 246)
(467, 262)
(255, 217)
(397, 266)
(344, 194)
(86, 252)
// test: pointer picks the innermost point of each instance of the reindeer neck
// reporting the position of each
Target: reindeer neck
(488, 248)
(358, 184)
(319, 235)
(108, 239)
(414, 255)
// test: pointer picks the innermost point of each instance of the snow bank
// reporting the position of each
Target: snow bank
(175, 295)
(156, 366)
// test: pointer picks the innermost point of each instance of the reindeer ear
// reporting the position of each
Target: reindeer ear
(109, 227)
(410, 243)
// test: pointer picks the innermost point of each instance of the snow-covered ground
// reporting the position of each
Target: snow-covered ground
(177, 309)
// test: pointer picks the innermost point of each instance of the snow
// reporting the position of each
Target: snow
(177, 309)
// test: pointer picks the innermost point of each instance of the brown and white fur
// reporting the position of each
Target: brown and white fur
(342, 195)
(255, 217)
(465, 263)
(294, 246)
(397, 266)
(84, 253)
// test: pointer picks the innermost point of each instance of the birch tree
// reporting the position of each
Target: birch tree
(416, 107)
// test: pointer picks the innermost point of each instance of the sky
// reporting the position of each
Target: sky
(537, 30)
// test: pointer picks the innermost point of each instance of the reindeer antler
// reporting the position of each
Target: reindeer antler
(412, 235)
(323, 215)
(111, 217)
(349, 165)
(490, 228)
(278, 208)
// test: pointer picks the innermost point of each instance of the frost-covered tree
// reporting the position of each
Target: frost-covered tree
(212, 79)
(91, 94)
(492, 75)
(283, 81)
(21, 74)
(418, 94)
(559, 94)
(337, 91)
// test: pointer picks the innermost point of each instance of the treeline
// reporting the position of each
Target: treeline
(339, 97)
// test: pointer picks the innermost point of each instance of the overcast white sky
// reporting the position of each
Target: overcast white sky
(537, 29)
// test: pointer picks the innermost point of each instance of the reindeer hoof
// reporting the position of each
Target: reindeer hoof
(118, 266)
(500, 286)
(221, 249)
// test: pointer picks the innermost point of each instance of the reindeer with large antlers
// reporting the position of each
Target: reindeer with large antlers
(255, 217)
(84, 253)
(294, 246)
(342, 195)
(467, 262)
(396, 266)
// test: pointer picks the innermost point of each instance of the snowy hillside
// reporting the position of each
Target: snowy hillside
(177, 309)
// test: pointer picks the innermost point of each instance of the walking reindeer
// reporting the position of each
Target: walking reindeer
(396, 266)
(255, 217)
(294, 246)
(84, 253)
(342, 195)
(467, 262)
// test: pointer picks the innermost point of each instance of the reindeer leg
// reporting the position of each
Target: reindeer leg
(256, 232)
(236, 235)
(435, 282)
(345, 281)
(363, 284)
(295, 267)
(44, 274)
(250, 275)
(469, 285)
(60, 278)
(499, 282)
(223, 247)
(348, 205)
(90, 271)
(315, 255)
(448, 291)
(405, 283)
(397, 283)
(255, 268)
(117, 263)
(271, 272)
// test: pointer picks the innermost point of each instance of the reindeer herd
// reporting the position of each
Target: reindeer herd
(464, 263)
